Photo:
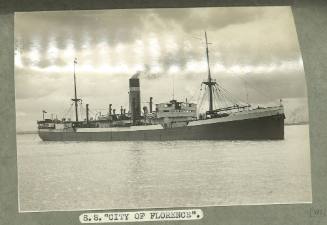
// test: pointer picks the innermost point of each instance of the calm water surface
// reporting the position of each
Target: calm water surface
(111, 175)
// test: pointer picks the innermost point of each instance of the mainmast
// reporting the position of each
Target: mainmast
(209, 82)
(75, 99)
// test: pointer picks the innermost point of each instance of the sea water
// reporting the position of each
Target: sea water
(124, 175)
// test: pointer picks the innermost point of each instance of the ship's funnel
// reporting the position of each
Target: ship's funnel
(150, 104)
(87, 113)
(136, 75)
(135, 98)
(110, 109)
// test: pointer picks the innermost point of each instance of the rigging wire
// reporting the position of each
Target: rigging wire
(218, 97)
(196, 93)
(226, 99)
(255, 89)
(228, 94)
(205, 95)
(67, 111)
(81, 110)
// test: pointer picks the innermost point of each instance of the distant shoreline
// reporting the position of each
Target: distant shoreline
(298, 123)
(26, 132)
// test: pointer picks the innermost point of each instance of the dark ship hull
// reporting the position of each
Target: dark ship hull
(264, 125)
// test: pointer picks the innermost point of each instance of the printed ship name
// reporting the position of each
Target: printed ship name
(173, 120)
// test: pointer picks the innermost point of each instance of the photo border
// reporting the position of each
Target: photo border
(310, 19)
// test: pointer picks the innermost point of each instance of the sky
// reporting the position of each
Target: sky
(254, 54)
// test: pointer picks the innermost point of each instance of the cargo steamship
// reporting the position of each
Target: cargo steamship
(173, 120)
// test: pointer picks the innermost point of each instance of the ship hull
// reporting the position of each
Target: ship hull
(269, 127)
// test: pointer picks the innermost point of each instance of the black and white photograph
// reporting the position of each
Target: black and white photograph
(160, 108)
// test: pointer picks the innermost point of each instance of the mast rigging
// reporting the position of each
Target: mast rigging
(210, 82)
(75, 99)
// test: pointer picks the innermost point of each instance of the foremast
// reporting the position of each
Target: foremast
(210, 82)
(75, 99)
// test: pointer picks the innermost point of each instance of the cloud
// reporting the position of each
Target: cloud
(209, 18)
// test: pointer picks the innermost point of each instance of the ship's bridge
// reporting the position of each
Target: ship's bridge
(175, 109)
